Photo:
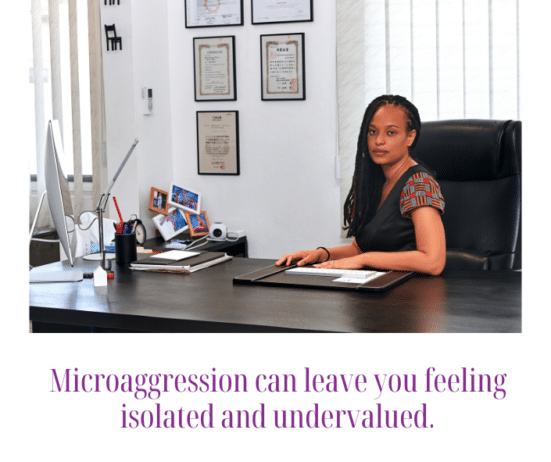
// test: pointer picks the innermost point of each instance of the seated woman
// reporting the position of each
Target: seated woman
(393, 208)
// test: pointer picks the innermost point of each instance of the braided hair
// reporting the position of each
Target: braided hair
(365, 194)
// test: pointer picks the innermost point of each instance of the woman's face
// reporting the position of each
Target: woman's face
(387, 136)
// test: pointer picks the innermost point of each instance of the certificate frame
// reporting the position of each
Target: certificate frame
(298, 11)
(218, 13)
(218, 158)
(221, 87)
(289, 84)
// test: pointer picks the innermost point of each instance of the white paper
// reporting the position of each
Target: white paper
(175, 255)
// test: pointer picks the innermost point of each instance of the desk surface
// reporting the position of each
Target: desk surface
(207, 301)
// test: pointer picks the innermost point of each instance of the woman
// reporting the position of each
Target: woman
(394, 205)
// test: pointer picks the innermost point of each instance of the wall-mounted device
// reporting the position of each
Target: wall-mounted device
(147, 101)
(218, 232)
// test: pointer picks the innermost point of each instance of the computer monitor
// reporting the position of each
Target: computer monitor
(57, 191)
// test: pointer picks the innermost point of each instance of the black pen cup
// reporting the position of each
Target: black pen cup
(125, 248)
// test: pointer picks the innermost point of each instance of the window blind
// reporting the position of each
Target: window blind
(68, 86)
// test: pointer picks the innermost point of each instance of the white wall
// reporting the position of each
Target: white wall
(286, 197)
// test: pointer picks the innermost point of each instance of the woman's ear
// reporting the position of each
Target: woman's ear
(411, 137)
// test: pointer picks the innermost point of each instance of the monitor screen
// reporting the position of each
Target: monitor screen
(57, 189)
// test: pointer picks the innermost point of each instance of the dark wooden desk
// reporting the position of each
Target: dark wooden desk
(207, 301)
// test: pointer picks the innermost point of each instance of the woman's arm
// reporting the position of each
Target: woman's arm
(430, 256)
(305, 257)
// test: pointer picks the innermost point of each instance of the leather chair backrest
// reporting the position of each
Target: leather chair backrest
(478, 166)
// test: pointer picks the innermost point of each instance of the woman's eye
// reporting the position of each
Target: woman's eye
(390, 133)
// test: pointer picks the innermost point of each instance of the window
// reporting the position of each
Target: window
(63, 92)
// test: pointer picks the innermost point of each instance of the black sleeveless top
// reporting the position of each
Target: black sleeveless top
(389, 230)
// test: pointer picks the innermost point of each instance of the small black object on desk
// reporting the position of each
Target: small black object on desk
(125, 248)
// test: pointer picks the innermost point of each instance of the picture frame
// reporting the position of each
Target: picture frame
(172, 224)
(198, 224)
(184, 198)
(214, 68)
(281, 11)
(218, 143)
(282, 67)
(158, 201)
(213, 13)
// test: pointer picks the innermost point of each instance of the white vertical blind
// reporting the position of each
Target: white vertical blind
(375, 71)
(55, 64)
(477, 52)
(399, 47)
(75, 105)
(424, 60)
(453, 58)
(97, 100)
(38, 81)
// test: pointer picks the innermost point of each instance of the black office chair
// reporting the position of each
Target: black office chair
(478, 166)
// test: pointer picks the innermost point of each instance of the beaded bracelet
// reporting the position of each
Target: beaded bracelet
(328, 254)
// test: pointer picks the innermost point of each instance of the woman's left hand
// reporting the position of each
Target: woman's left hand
(343, 263)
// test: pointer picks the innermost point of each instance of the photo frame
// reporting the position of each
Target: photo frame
(184, 198)
(280, 11)
(218, 143)
(198, 224)
(172, 224)
(213, 13)
(158, 201)
(282, 67)
(214, 68)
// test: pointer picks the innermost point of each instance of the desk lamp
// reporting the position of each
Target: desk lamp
(102, 205)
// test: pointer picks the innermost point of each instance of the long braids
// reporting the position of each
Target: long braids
(365, 193)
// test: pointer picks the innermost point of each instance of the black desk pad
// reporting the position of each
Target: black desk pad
(276, 276)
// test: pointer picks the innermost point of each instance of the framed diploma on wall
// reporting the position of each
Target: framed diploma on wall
(214, 13)
(274, 11)
(282, 67)
(218, 142)
(214, 66)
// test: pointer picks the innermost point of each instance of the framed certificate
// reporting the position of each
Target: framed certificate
(214, 65)
(273, 11)
(214, 13)
(282, 67)
(218, 143)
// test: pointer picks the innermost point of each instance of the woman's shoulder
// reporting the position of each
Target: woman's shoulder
(420, 190)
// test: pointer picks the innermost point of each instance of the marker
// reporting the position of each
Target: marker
(119, 226)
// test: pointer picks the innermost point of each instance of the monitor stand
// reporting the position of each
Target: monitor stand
(55, 276)
(99, 257)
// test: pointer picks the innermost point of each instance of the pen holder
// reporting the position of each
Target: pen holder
(125, 248)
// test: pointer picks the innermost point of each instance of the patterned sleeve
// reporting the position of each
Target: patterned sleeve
(421, 190)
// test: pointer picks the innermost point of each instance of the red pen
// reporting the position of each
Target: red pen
(119, 226)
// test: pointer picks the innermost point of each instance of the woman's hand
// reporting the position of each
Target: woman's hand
(302, 257)
(343, 263)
